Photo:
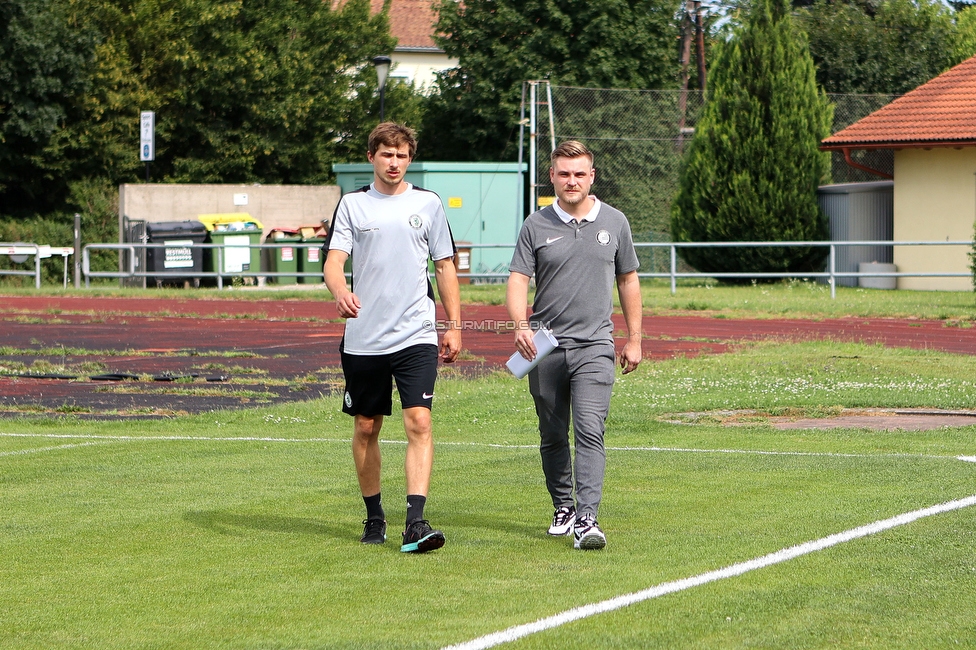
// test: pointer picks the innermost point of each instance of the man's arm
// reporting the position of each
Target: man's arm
(628, 288)
(516, 300)
(347, 303)
(445, 274)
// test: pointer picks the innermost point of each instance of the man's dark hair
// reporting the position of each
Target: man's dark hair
(391, 134)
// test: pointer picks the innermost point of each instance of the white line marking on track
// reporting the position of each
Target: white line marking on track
(519, 631)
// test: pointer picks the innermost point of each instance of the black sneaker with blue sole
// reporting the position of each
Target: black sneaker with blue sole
(419, 537)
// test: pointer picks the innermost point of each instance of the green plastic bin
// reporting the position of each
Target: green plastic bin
(312, 258)
(240, 234)
(286, 258)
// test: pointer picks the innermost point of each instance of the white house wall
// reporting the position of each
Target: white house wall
(420, 67)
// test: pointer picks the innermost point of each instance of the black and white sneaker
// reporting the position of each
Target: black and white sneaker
(587, 534)
(374, 531)
(562, 521)
(419, 537)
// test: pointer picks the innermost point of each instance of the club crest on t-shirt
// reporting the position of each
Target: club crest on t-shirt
(603, 238)
(415, 221)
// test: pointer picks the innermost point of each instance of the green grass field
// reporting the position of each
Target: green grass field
(240, 529)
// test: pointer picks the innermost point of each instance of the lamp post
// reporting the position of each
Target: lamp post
(382, 64)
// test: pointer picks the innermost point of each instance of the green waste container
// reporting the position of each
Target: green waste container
(312, 258)
(286, 258)
(240, 234)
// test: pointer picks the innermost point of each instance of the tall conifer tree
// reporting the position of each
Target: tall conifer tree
(753, 166)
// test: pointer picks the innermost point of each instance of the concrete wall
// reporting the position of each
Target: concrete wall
(275, 206)
(935, 200)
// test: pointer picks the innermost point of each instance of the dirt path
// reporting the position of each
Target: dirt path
(271, 351)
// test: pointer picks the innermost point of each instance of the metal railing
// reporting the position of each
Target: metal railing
(20, 252)
(830, 274)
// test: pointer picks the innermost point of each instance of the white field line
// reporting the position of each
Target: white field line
(487, 445)
(520, 631)
(21, 452)
(517, 632)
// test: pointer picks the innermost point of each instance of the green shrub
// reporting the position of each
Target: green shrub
(96, 201)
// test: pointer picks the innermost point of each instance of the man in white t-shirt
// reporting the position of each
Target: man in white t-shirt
(391, 228)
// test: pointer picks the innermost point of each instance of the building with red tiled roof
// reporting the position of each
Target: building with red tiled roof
(940, 113)
(932, 131)
(416, 56)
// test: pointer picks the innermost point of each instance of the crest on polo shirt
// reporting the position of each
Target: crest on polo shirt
(603, 238)
(415, 221)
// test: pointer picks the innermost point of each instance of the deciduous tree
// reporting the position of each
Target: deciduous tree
(501, 43)
(891, 46)
(44, 64)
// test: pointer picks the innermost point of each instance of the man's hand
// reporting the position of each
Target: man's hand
(450, 345)
(524, 342)
(630, 356)
(516, 295)
(348, 305)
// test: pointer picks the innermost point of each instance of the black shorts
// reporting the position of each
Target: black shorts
(369, 379)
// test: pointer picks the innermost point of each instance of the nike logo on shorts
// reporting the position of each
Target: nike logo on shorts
(549, 240)
(428, 395)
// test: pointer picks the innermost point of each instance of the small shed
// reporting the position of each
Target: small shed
(859, 212)
(483, 202)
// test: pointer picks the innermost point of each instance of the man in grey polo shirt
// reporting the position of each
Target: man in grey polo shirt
(576, 248)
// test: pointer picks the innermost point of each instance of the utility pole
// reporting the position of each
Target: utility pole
(700, 43)
(692, 28)
(687, 27)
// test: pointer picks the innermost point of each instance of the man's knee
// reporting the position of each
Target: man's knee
(417, 422)
(368, 426)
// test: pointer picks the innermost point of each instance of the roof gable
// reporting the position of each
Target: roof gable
(939, 113)
(411, 23)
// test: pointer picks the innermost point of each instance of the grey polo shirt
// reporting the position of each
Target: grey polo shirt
(575, 265)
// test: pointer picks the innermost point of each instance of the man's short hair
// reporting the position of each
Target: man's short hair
(571, 149)
(391, 134)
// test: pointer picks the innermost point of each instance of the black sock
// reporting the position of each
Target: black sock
(415, 507)
(374, 507)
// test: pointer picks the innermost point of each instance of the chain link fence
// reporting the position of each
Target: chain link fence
(847, 110)
(638, 138)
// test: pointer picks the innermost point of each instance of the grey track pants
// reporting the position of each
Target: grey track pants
(577, 381)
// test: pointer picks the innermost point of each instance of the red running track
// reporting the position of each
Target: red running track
(289, 339)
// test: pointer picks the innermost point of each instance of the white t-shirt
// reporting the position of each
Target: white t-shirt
(390, 239)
